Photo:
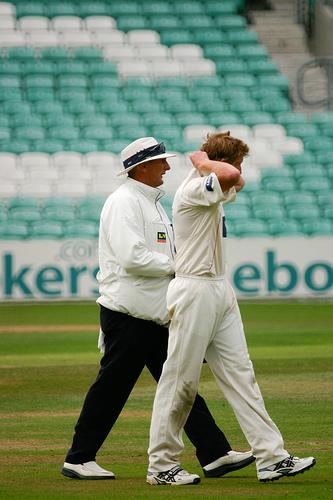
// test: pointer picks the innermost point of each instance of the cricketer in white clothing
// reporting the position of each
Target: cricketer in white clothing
(206, 324)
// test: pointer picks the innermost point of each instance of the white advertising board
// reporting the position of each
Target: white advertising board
(257, 267)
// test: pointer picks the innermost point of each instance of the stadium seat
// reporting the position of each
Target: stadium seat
(284, 228)
(24, 214)
(80, 229)
(269, 212)
(13, 231)
(318, 227)
(235, 212)
(250, 228)
(46, 230)
(57, 212)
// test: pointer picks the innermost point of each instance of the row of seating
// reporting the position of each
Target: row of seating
(84, 8)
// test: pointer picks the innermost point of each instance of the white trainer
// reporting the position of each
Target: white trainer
(175, 476)
(233, 460)
(290, 466)
(87, 470)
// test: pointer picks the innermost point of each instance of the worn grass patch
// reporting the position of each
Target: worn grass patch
(44, 377)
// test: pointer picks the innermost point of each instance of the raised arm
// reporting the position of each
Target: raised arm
(228, 176)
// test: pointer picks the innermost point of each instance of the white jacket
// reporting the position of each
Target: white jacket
(136, 252)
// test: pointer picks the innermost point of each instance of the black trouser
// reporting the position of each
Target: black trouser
(130, 345)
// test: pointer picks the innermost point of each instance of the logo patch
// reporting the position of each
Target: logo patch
(161, 237)
(209, 183)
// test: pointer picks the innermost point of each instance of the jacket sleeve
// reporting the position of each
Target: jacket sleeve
(128, 242)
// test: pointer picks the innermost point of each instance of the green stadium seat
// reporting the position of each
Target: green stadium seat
(236, 212)
(90, 210)
(230, 66)
(26, 121)
(46, 108)
(247, 105)
(82, 145)
(314, 185)
(52, 120)
(252, 51)
(191, 118)
(273, 105)
(130, 119)
(280, 81)
(324, 157)
(73, 94)
(37, 94)
(146, 107)
(303, 130)
(97, 8)
(175, 36)
(88, 54)
(129, 134)
(107, 68)
(49, 146)
(249, 228)
(266, 198)
(46, 230)
(278, 184)
(124, 8)
(231, 22)
(328, 211)
(128, 23)
(299, 199)
(261, 93)
(211, 106)
(29, 133)
(269, 212)
(10, 68)
(211, 36)
(241, 36)
(300, 159)
(39, 81)
(133, 93)
(324, 198)
(79, 107)
(104, 93)
(221, 119)
(240, 80)
(256, 118)
(219, 51)
(4, 121)
(323, 118)
(24, 214)
(262, 67)
(63, 133)
(303, 213)
(308, 171)
(22, 54)
(30, 8)
(114, 146)
(13, 231)
(70, 67)
(73, 81)
(15, 146)
(318, 228)
(166, 132)
(80, 229)
(87, 120)
(203, 93)
(160, 23)
(197, 22)
(55, 54)
(110, 108)
(7, 95)
(187, 7)
(5, 134)
(97, 133)
(219, 8)
(290, 118)
(157, 7)
(10, 81)
(23, 201)
(319, 144)
(38, 68)
(284, 228)
(3, 214)
(61, 9)
(104, 81)
(58, 213)
(176, 81)
(178, 107)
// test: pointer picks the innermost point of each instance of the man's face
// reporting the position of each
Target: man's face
(155, 169)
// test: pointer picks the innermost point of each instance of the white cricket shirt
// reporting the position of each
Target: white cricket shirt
(198, 220)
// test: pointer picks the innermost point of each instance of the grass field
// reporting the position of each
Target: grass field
(48, 358)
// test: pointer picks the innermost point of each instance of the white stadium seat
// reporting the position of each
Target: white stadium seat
(96, 23)
(137, 37)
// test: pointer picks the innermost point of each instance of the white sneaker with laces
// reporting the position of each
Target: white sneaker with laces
(175, 476)
(87, 470)
(290, 466)
(233, 460)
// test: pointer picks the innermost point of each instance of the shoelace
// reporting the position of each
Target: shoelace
(287, 462)
(170, 474)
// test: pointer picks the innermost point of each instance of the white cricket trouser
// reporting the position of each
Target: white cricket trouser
(206, 324)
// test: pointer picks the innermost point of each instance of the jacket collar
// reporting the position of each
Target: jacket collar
(150, 192)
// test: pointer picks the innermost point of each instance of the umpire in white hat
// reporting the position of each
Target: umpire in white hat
(136, 264)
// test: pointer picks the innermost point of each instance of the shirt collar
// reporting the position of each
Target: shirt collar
(149, 191)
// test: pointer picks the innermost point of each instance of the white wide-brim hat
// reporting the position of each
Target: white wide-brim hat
(140, 151)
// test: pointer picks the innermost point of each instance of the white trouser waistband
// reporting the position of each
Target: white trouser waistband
(196, 277)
